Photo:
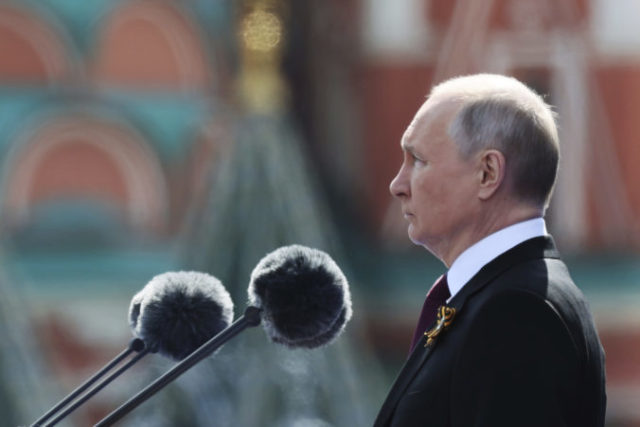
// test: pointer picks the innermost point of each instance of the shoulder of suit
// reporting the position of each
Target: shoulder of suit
(523, 298)
(518, 314)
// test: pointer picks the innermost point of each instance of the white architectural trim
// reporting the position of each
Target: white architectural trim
(147, 190)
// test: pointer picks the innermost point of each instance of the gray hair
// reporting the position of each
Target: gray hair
(499, 112)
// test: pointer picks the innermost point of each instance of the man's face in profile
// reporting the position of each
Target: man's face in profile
(435, 185)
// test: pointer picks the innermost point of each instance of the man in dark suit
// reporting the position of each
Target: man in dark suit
(505, 337)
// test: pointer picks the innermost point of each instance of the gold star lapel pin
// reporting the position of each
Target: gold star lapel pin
(445, 318)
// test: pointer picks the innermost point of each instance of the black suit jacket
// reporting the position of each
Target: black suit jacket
(522, 350)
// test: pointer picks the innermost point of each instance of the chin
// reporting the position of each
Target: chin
(419, 241)
(421, 244)
(415, 239)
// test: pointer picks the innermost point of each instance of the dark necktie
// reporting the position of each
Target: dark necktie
(437, 296)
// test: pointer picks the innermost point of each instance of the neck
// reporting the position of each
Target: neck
(487, 224)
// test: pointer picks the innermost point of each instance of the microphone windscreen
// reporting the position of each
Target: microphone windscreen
(177, 312)
(303, 294)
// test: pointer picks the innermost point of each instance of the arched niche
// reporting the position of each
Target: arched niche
(151, 45)
(84, 158)
(33, 49)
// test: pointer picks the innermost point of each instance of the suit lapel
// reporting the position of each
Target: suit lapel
(536, 248)
(539, 247)
(418, 357)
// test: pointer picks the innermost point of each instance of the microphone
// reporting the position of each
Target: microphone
(173, 314)
(177, 312)
(300, 295)
(303, 294)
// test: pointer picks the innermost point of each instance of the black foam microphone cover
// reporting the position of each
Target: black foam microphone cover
(303, 294)
(177, 312)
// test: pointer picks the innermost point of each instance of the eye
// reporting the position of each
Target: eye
(418, 161)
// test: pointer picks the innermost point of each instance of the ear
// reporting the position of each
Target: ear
(492, 172)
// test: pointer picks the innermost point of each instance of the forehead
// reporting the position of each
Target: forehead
(431, 122)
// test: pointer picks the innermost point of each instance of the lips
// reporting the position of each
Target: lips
(405, 212)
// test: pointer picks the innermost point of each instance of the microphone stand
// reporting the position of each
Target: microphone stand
(250, 318)
(136, 345)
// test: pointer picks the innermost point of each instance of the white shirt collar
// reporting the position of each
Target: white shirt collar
(481, 253)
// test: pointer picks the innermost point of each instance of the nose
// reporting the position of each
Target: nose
(399, 186)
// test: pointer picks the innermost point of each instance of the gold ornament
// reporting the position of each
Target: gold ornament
(445, 317)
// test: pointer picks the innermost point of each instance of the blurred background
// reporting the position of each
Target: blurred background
(143, 136)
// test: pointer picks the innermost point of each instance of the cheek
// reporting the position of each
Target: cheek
(431, 208)
(432, 195)
(439, 201)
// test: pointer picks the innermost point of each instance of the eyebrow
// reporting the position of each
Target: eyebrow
(407, 147)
